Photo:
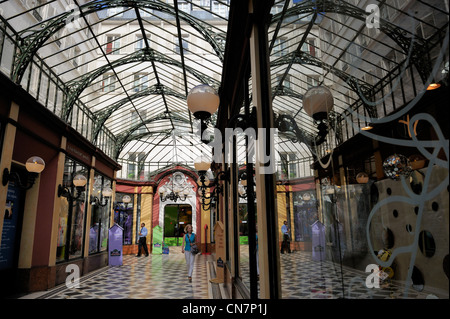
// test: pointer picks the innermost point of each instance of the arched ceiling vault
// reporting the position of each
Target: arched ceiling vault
(129, 65)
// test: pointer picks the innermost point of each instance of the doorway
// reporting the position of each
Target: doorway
(176, 217)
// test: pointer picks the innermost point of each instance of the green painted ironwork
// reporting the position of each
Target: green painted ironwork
(76, 87)
(413, 46)
(104, 114)
(361, 88)
(32, 39)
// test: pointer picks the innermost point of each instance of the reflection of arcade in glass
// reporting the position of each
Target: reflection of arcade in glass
(123, 216)
(305, 215)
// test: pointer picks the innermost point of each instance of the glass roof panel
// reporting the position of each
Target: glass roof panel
(120, 75)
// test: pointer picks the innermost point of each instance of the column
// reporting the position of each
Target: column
(89, 208)
(269, 254)
(57, 202)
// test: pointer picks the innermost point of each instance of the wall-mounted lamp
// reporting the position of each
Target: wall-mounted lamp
(79, 181)
(203, 101)
(202, 164)
(106, 193)
(34, 166)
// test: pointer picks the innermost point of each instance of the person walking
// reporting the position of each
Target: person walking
(142, 241)
(285, 245)
(188, 239)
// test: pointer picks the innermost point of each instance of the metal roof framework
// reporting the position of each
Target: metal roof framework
(134, 102)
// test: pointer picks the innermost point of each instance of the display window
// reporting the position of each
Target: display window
(100, 214)
(123, 216)
(72, 214)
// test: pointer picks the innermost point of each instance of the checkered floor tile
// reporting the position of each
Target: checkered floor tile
(301, 277)
(165, 277)
(153, 277)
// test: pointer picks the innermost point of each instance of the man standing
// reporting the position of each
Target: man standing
(142, 241)
(285, 245)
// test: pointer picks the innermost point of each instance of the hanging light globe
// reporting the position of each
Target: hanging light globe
(203, 101)
(202, 164)
(317, 102)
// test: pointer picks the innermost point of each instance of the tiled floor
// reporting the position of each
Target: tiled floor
(154, 277)
(165, 277)
(303, 278)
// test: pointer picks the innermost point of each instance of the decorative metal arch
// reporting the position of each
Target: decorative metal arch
(75, 88)
(122, 139)
(358, 86)
(32, 39)
(169, 171)
(103, 115)
(127, 135)
(418, 46)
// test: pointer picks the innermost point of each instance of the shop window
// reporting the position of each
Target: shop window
(305, 215)
(123, 216)
(98, 233)
(72, 214)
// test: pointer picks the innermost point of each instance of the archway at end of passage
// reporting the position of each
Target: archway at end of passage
(176, 217)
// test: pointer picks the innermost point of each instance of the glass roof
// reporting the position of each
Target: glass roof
(119, 71)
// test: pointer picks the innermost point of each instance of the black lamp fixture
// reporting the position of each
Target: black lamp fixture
(203, 101)
(79, 181)
(105, 194)
(202, 164)
(34, 166)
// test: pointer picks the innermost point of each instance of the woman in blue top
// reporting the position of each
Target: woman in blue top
(188, 238)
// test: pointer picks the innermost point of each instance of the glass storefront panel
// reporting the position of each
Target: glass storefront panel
(98, 233)
(305, 215)
(123, 216)
(72, 214)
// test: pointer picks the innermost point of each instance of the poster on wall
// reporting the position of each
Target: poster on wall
(10, 224)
